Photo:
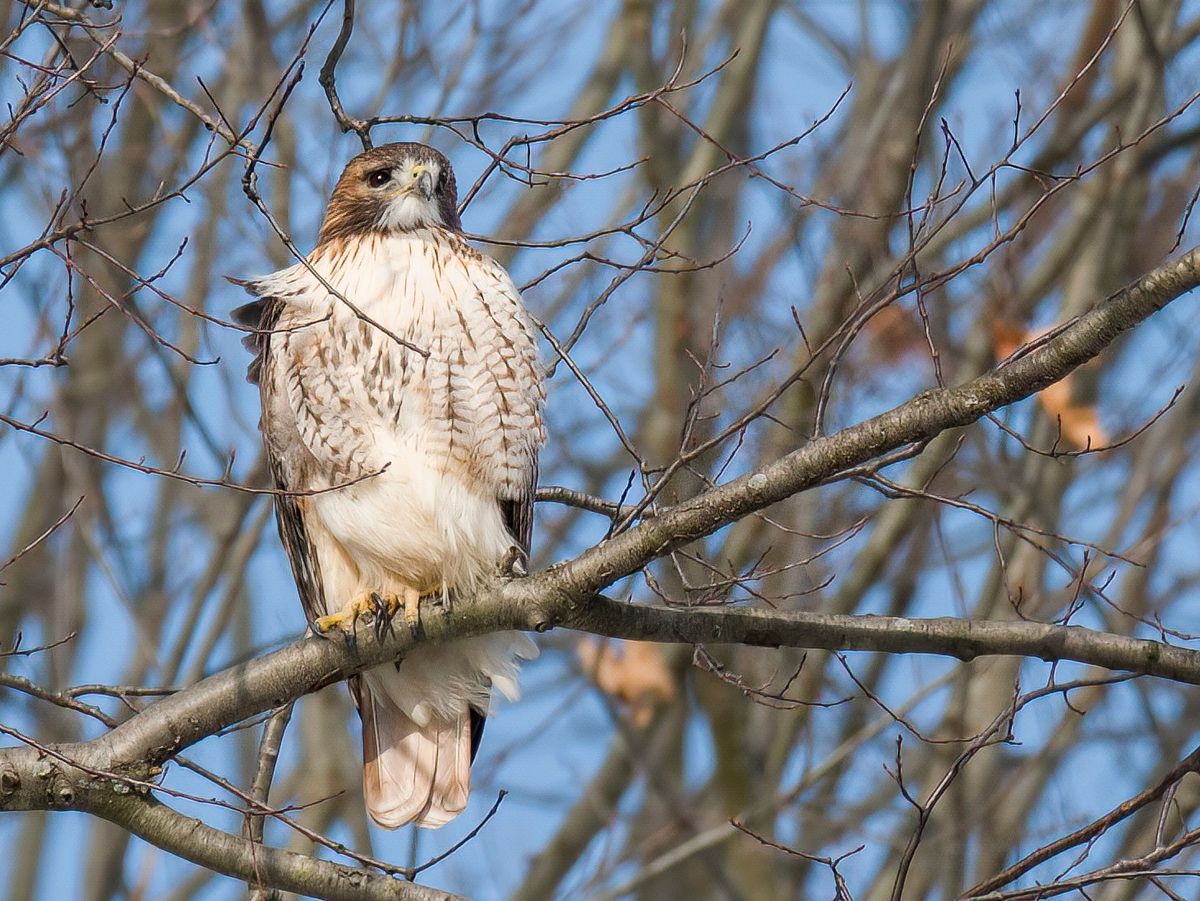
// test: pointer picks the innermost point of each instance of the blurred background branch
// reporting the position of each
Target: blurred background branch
(746, 227)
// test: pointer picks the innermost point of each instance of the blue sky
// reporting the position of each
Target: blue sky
(544, 748)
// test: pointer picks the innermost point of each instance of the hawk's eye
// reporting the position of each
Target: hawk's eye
(379, 177)
(443, 177)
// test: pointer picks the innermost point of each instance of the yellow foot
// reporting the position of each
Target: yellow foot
(379, 607)
(346, 618)
(410, 600)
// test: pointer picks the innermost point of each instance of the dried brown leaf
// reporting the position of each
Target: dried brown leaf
(635, 673)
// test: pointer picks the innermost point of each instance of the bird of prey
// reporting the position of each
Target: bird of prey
(402, 417)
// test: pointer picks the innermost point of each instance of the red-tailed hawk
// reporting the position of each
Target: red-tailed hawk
(420, 381)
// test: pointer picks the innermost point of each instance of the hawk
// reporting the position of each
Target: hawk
(402, 417)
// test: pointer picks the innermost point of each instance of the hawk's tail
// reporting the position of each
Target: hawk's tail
(422, 721)
(413, 773)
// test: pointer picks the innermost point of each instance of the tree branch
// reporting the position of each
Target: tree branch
(40, 778)
(232, 855)
(174, 723)
(920, 419)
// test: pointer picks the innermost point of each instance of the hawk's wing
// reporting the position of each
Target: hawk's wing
(263, 314)
(518, 513)
(516, 500)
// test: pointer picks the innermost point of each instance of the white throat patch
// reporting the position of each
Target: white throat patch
(409, 210)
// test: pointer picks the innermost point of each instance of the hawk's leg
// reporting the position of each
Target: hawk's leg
(385, 607)
(410, 600)
(346, 618)
(381, 607)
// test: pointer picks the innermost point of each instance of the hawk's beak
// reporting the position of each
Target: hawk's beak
(422, 180)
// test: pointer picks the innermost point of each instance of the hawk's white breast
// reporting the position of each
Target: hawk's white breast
(453, 429)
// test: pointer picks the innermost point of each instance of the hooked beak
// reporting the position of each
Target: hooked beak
(422, 180)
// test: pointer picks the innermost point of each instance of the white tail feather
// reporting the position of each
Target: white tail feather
(413, 773)
(417, 725)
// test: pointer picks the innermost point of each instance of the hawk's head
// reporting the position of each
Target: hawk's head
(392, 188)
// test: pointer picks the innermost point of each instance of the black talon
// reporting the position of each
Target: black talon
(418, 628)
(383, 619)
(352, 634)
(376, 614)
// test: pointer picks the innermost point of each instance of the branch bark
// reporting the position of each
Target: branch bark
(67, 777)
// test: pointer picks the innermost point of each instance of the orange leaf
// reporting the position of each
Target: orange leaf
(1079, 423)
(636, 674)
(895, 332)
(1006, 338)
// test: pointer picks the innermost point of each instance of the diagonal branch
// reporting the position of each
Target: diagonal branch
(234, 856)
(71, 777)
(920, 419)
(174, 723)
